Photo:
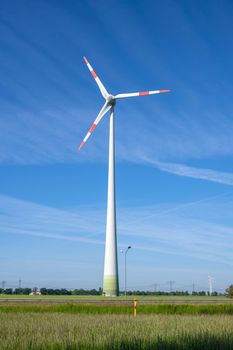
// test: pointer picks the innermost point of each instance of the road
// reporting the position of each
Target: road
(113, 301)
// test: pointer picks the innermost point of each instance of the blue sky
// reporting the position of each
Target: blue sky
(174, 151)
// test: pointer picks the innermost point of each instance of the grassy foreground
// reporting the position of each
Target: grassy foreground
(59, 331)
(119, 309)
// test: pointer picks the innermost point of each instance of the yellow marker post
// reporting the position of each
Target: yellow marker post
(135, 308)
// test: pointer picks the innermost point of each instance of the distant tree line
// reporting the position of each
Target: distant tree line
(17, 291)
(178, 293)
(50, 291)
(63, 291)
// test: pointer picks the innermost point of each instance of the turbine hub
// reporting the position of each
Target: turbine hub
(111, 100)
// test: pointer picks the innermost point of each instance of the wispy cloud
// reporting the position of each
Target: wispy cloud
(195, 173)
(26, 218)
(180, 232)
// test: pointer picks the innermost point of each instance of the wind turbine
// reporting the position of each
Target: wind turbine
(111, 282)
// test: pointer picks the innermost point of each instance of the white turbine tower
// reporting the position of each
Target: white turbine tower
(110, 283)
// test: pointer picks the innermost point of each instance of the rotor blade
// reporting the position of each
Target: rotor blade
(142, 93)
(103, 111)
(97, 79)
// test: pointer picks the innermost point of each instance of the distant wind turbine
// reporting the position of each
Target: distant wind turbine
(210, 280)
(111, 282)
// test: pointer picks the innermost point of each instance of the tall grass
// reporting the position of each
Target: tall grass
(180, 309)
(59, 331)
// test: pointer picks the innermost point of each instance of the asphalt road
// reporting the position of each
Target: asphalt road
(113, 301)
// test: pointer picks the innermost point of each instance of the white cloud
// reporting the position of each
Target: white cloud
(179, 231)
(195, 173)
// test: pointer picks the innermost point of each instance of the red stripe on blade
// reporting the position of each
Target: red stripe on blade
(86, 61)
(82, 144)
(92, 128)
(143, 93)
(164, 90)
(94, 73)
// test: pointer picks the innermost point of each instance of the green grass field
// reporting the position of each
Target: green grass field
(99, 326)
(123, 308)
(65, 331)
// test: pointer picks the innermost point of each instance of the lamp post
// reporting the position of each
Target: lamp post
(129, 247)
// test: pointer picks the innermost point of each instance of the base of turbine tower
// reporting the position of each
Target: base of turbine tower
(111, 286)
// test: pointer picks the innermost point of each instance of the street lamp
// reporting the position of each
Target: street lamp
(129, 247)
